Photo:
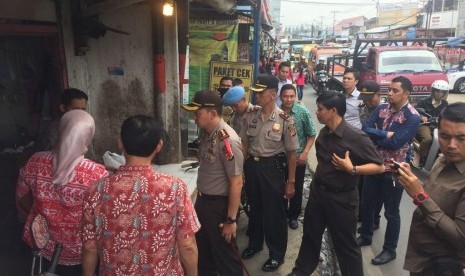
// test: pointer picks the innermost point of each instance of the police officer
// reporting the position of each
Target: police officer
(219, 186)
(269, 140)
(235, 97)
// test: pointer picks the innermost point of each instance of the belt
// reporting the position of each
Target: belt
(211, 197)
(334, 189)
(259, 158)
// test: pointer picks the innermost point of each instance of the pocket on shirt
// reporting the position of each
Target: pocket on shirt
(274, 136)
(252, 132)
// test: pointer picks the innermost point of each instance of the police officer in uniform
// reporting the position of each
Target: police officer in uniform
(219, 186)
(269, 140)
(235, 98)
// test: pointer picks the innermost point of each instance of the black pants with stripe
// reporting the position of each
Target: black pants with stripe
(267, 218)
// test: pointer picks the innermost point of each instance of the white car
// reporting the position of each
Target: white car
(457, 81)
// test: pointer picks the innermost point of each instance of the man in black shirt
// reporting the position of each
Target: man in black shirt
(343, 153)
(433, 105)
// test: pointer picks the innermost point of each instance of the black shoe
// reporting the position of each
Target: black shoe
(271, 265)
(249, 253)
(363, 242)
(293, 224)
(384, 257)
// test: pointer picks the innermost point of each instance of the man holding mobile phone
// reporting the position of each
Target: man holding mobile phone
(391, 127)
(437, 233)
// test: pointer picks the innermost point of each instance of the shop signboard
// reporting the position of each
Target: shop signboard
(243, 71)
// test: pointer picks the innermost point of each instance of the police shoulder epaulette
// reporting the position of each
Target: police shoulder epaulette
(223, 134)
(285, 116)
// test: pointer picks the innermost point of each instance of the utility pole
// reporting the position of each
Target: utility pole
(334, 19)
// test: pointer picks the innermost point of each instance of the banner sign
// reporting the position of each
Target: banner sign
(243, 71)
(212, 37)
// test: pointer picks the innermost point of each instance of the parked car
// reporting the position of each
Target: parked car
(456, 81)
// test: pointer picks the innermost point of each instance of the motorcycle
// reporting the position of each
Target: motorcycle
(433, 152)
(322, 78)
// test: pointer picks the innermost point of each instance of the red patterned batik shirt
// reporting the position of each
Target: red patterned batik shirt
(135, 218)
(61, 205)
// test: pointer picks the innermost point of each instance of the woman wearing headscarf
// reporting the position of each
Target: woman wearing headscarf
(51, 187)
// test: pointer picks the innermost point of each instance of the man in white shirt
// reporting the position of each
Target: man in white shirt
(283, 78)
(349, 82)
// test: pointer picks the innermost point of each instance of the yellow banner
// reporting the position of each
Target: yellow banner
(243, 71)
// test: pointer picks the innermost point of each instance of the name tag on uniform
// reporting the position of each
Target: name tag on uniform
(252, 126)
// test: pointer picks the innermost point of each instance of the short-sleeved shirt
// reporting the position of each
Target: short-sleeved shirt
(271, 137)
(352, 115)
(303, 124)
(344, 138)
(438, 228)
(215, 168)
(135, 217)
(60, 205)
(237, 120)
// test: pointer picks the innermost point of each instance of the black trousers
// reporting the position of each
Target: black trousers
(267, 218)
(216, 256)
(295, 204)
(338, 213)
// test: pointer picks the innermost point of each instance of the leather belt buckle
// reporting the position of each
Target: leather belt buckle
(256, 159)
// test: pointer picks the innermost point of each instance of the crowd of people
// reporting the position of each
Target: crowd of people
(137, 221)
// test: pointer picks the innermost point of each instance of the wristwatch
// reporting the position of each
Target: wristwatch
(420, 198)
(229, 220)
(354, 170)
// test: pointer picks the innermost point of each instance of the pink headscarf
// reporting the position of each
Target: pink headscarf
(75, 133)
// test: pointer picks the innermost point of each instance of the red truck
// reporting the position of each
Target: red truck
(386, 59)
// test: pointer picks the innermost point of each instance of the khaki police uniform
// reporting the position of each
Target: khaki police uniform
(220, 156)
(264, 170)
(237, 120)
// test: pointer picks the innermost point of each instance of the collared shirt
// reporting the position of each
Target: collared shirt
(237, 120)
(215, 168)
(404, 123)
(303, 124)
(135, 217)
(280, 85)
(344, 138)
(269, 137)
(352, 115)
(60, 205)
(438, 224)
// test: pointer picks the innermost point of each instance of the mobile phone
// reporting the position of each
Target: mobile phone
(395, 165)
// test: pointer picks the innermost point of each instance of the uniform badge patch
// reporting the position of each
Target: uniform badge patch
(254, 120)
(276, 127)
(292, 130)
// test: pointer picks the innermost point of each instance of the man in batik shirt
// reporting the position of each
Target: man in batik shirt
(306, 133)
(138, 221)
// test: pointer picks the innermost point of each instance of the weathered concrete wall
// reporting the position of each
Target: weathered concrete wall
(114, 98)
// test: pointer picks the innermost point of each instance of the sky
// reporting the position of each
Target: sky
(297, 12)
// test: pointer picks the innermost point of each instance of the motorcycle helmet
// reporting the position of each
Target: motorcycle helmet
(321, 59)
(440, 85)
